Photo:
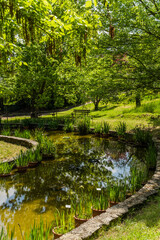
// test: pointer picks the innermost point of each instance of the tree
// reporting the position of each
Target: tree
(36, 76)
(99, 80)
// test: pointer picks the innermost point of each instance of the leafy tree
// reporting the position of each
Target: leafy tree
(36, 76)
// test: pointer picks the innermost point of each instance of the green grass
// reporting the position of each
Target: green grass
(115, 113)
(8, 150)
(142, 224)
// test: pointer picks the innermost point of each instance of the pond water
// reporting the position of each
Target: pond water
(80, 160)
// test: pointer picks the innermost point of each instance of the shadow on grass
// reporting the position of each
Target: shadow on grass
(105, 108)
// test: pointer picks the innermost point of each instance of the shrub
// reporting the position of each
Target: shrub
(83, 125)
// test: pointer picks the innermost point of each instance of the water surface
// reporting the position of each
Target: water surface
(80, 161)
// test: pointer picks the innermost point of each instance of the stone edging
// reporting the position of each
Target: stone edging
(19, 141)
(90, 228)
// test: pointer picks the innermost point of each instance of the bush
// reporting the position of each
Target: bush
(83, 125)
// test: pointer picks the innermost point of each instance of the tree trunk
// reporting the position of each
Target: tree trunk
(138, 100)
(96, 103)
(1, 105)
(34, 112)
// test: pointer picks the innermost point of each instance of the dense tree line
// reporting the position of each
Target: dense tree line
(55, 52)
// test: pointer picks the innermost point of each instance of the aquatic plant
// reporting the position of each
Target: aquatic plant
(68, 126)
(121, 129)
(83, 125)
(143, 136)
(34, 156)
(151, 157)
(22, 160)
(6, 167)
(115, 193)
(136, 179)
(47, 147)
(98, 128)
(64, 221)
(38, 135)
(105, 127)
(17, 133)
(39, 231)
(83, 204)
(100, 199)
(6, 132)
(5, 236)
(29, 156)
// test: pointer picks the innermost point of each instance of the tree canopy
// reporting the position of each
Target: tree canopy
(68, 51)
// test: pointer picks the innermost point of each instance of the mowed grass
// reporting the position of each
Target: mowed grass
(115, 113)
(8, 150)
(142, 224)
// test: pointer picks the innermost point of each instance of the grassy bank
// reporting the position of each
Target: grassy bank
(142, 224)
(146, 115)
(9, 150)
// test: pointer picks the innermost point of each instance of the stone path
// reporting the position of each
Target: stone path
(92, 226)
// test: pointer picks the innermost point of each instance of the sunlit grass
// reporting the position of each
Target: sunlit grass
(143, 224)
(8, 150)
(114, 113)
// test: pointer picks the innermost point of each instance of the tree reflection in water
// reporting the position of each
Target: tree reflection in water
(86, 161)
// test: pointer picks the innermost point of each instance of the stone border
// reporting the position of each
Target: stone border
(90, 228)
(18, 141)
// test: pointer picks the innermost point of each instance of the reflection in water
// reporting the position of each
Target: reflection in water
(87, 161)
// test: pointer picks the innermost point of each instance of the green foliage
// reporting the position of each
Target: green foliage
(46, 146)
(39, 231)
(64, 221)
(105, 128)
(29, 156)
(136, 179)
(50, 123)
(115, 193)
(22, 134)
(6, 236)
(151, 157)
(142, 136)
(6, 132)
(101, 199)
(68, 126)
(6, 168)
(121, 129)
(98, 128)
(83, 125)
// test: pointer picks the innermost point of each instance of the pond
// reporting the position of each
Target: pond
(85, 161)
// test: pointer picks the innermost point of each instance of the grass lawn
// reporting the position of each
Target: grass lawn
(8, 150)
(142, 224)
(114, 113)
